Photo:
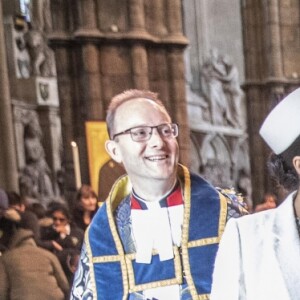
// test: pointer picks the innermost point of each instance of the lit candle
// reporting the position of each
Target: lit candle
(76, 164)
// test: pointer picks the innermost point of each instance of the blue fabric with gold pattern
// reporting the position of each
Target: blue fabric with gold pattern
(204, 220)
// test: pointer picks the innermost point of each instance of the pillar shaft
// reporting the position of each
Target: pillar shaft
(8, 170)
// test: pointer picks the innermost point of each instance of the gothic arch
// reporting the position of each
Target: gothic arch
(216, 160)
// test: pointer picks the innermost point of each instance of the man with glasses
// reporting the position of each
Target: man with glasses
(156, 235)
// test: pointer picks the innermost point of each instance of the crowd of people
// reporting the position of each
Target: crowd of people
(42, 244)
(163, 233)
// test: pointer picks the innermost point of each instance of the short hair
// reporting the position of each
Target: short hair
(38, 209)
(123, 97)
(281, 167)
(15, 199)
(292, 151)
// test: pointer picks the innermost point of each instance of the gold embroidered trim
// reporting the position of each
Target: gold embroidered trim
(106, 259)
(203, 242)
(185, 232)
(132, 256)
(120, 190)
(114, 258)
(136, 288)
(203, 297)
(223, 214)
(91, 266)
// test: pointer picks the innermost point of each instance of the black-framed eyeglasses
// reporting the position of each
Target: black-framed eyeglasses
(144, 133)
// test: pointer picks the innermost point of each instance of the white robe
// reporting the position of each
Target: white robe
(259, 257)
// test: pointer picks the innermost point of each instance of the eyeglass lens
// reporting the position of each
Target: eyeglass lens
(144, 133)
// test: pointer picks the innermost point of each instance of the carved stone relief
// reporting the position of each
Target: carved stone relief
(42, 57)
(221, 89)
(37, 181)
(35, 175)
(216, 160)
(218, 125)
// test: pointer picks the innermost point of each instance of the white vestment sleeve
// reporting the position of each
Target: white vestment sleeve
(228, 279)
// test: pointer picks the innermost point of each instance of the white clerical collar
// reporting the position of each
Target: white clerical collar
(157, 225)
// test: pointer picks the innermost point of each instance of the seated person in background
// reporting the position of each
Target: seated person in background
(39, 210)
(86, 206)
(27, 271)
(7, 215)
(269, 202)
(28, 219)
(63, 231)
(259, 254)
(66, 237)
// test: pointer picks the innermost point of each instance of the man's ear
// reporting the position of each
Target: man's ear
(296, 164)
(113, 150)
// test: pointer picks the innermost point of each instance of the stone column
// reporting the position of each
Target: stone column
(158, 17)
(174, 17)
(178, 102)
(88, 10)
(8, 170)
(140, 66)
(87, 18)
(91, 91)
(51, 126)
(59, 20)
(250, 41)
(136, 15)
(273, 42)
(68, 122)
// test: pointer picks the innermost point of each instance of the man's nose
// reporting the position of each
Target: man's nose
(156, 139)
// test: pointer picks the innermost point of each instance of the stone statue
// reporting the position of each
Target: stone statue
(35, 179)
(212, 72)
(196, 104)
(42, 57)
(233, 91)
(220, 85)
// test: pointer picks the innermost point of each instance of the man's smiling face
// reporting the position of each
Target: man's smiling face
(155, 159)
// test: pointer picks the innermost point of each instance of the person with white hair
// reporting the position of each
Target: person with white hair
(259, 254)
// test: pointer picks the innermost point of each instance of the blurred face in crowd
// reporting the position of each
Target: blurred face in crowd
(270, 199)
(88, 203)
(59, 219)
(154, 159)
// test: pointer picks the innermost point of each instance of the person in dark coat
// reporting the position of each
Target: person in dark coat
(27, 271)
(66, 238)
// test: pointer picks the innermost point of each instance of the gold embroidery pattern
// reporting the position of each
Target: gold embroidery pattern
(202, 242)
(130, 257)
(90, 256)
(145, 286)
(185, 232)
(223, 214)
(120, 190)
